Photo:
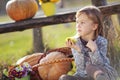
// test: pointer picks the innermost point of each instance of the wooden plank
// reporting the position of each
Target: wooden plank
(57, 19)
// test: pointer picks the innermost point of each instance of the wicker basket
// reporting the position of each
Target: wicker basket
(52, 70)
(54, 64)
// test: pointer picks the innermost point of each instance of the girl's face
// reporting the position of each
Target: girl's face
(85, 26)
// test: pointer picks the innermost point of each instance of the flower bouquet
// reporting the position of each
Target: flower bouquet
(48, 6)
(18, 72)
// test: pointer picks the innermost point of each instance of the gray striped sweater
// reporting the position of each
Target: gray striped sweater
(97, 58)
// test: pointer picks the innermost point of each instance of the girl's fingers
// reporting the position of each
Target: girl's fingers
(72, 43)
(69, 43)
(66, 42)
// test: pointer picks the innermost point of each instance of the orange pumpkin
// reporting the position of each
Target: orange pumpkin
(55, 70)
(21, 9)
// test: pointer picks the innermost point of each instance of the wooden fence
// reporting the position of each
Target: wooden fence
(56, 19)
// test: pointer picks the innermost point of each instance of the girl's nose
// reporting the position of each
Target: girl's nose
(78, 26)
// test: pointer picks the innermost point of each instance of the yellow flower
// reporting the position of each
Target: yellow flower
(54, 0)
(44, 1)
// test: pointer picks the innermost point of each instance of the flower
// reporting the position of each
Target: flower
(19, 71)
(44, 1)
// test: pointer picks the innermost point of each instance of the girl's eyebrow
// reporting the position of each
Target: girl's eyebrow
(77, 20)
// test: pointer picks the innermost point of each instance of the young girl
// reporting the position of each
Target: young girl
(90, 48)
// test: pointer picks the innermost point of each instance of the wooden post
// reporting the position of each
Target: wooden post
(61, 5)
(2, 7)
(109, 33)
(37, 39)
(119, 18)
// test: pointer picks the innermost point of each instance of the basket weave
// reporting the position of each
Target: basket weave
(53, 66)
(55, 61)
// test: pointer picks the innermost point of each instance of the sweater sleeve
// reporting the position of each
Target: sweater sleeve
(99, 56)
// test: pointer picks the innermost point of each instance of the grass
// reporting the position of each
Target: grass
(4, 19)
(16, 44)
(54, 36)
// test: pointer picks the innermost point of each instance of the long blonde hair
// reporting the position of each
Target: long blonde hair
(95, 15)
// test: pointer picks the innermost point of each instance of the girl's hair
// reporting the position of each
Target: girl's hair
(95, 15)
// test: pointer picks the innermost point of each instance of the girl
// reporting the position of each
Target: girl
(90, 48)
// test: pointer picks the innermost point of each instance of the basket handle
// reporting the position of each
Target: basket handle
(54, 61)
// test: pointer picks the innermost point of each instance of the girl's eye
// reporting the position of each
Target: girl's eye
(77, 22)
(82, 22)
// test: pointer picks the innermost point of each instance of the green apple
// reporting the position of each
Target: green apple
(71, 39)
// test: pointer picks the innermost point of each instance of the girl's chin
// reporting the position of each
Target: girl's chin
(78, 34)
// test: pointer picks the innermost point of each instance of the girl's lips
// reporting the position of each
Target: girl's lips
(79, 30)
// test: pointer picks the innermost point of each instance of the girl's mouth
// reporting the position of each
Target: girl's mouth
(79, 30)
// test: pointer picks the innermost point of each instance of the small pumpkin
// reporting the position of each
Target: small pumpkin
(21, 9)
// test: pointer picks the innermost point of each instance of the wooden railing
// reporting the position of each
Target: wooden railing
(56, 19)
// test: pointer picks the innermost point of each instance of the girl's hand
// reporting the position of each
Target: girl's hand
(92, 45)
(71, 44)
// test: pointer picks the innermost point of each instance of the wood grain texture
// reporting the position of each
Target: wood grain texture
(56, 19)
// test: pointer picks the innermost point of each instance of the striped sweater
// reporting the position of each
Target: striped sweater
(97, 58)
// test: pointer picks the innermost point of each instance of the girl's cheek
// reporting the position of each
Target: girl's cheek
(77, 26)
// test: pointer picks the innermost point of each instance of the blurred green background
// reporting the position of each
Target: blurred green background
(15, 45)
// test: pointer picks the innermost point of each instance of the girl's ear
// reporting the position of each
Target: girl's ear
(95, 26)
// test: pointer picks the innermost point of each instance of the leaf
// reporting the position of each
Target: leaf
(5, 72)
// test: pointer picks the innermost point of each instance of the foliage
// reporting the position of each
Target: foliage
(55, 35)
(18, 71)
(14, 45)
(17, 44)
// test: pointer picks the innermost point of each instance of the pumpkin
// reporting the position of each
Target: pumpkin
(52, 71)
(21, 9)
